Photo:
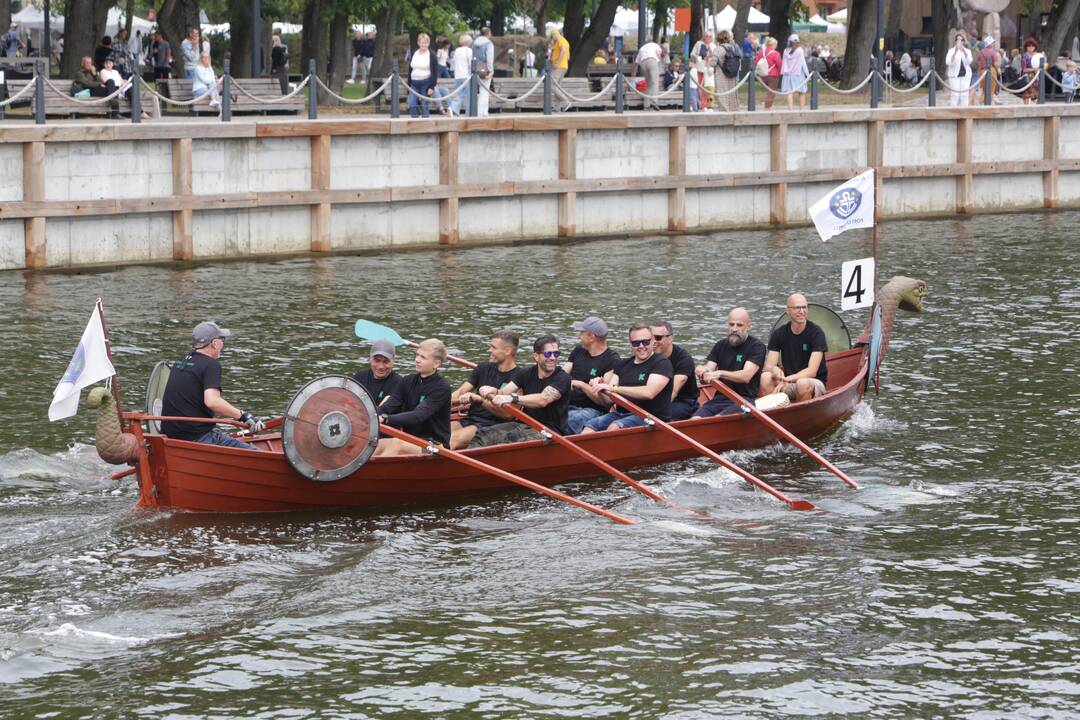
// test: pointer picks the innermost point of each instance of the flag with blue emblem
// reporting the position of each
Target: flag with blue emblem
(89, 364)
(848, 207)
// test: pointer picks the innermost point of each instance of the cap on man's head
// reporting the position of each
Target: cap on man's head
(592, 324)
(988, 40)
(793, 38)
(385, 348)
(207, 332)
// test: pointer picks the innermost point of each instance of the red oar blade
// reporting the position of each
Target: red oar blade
(802, 505)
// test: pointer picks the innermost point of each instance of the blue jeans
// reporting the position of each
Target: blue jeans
(418, 107)
(576, 417)
(682, 409)
(720, 405)
(625, 420)
(216, 437)
(189, 74)
(459, 104)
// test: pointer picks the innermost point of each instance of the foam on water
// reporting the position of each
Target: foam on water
(77, 465)
(70, 633)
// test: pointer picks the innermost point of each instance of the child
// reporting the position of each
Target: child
(1070, 81)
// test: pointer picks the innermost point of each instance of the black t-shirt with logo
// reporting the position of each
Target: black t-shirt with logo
(734, 358)
(585, 367)
(682, 363)
(528, 382)
(422, 408)
(189, 377)
(795, 349)
(487, 373)
(379, 389)
(633, 374)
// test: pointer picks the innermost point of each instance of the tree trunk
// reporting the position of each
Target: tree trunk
(697, 20)
(541, 18)
(174, 21)
(779, 25)
(129, 18)
(1060, 28)
(385, 24)
(498, 18)
(862, 28)
(240, 39)
(83, 30)
(893, 11)
(340, 55)
(944, 19)
(314, 40)
(742, 19)
(5, 14)
(593, 37)
(659, 21)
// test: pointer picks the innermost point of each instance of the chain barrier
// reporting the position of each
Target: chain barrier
(591, 98)
(1019, 91)
(271, 100)
(945, 83)
(695, 86)
(350, 101)
(670, 91)
(855, 89)
(93, 101)
(433, 98)
(182, 103)
(27, 88)
(539, 84)
(913, 88)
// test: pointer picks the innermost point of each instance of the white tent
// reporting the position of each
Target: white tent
(32, 18)
(725, 19)
(830, 26)
(840, 16)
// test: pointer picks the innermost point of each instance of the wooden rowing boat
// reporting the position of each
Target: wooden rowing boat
(207, 478)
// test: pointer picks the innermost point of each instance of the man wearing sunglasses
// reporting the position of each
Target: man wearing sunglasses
(798, 347)
(684, 389)
(735, 361)
(645, 379)
(541, 390)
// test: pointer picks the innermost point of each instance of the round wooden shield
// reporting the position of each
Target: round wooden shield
(331, 428)
(155, 391)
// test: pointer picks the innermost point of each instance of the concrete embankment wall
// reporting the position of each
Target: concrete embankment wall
(80, 194)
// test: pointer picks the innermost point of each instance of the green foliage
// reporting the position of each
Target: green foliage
(798, 12)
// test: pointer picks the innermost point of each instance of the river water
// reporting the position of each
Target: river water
(947, 587)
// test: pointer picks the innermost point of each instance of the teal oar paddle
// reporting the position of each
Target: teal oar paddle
(367, 330)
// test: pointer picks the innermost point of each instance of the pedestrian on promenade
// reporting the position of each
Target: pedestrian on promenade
(279, 63)
(728, 65)
(990, 61)
(484, 52)
(1070, 81)
(423, 74)
(189, 51)
(794, 73)
(648, 61)
(769, 73)
(958, 71)
(462, 62)
(1030, 62)
(702, 57)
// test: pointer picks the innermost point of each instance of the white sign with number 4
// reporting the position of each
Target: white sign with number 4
(856, 284)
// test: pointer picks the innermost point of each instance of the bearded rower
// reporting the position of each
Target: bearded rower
(735, 361)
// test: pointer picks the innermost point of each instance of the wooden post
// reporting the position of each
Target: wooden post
(964, 182)
(778, 164)
(320, 180)
(1051, 138)
(676, 203)
(568, 171)
(34, 191)
(449, 218)
(181, 165)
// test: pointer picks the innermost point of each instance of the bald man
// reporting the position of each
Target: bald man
(735, 361)
(798, 348)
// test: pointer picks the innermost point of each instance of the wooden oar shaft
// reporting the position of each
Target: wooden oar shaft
(783, 432)
(511, 477)
(708, 452)
(452, 358)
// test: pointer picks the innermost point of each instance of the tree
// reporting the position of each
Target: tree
(862, 29)
(584, 41)
(313, 44)
(340, 54)
(84, 26)
(779, 22)
(174, 21)
(1060, 28)
(240, 39)
(697, 20)
(944, 19)
(742, 19)
(386, 22)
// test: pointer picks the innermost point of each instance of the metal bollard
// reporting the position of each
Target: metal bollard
(814, 90)
(547, 87)
(313, 96)
(395, 91)
(751, 89)
(686, 89)
(39, 92)
(226, 94)
(988, 88)
(932, 100)
(619, 89)
(875, 87)
(1041, 75)
(474, 90)
(136, 92)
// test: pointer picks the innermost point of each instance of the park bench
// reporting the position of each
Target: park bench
(179, 89)
(62, 104)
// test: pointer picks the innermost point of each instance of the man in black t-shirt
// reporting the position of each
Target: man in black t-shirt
(541, 390)
(194, 390)
(799, 347)
(422, 407)
(684, 389)
(591, 358)
(735, 361)
(644, 379)
(502, 347)
(380, 380)
(357, 54)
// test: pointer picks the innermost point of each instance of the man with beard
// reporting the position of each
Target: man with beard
(591, 358)
(799, 347)
(422, 407)
(542, 391)
(644, 379)
(380, 380)
(495, 373)
(735, 361)
(684, 390)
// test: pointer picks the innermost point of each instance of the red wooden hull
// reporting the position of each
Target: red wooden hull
(207, 478)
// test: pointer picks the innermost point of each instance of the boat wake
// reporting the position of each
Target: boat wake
(864, 421)
(71, 635)
(79, 466)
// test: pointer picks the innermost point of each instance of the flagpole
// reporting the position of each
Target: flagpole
(877, 192)
(115, 381)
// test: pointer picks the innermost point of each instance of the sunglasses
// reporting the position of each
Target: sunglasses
(641, 343)
(659, 338)
(551, 354)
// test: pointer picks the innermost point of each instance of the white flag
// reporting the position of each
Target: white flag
(89, 364)
(847, 207)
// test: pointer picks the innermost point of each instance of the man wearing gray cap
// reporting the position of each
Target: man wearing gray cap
(380, 380)
(591, 358)
(194, 390)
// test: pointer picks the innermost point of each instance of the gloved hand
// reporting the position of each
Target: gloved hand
(255, 424)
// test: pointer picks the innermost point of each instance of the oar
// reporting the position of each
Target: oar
(793, 504)
(497, 472)
(782, 432)
(368, 330)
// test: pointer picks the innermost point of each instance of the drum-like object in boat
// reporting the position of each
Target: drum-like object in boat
(331, 428)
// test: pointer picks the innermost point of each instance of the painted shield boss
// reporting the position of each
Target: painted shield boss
(331, 428)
